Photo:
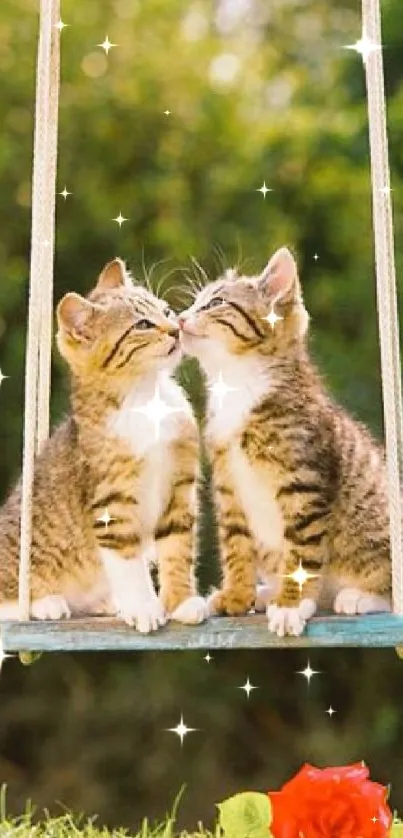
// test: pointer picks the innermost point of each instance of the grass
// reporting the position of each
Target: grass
(68, 826)
(78, 826)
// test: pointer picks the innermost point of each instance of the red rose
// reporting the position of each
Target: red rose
(331, 803)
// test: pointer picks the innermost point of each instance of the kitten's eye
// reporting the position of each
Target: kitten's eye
(216, 301)
(168, 312)
(144, 324)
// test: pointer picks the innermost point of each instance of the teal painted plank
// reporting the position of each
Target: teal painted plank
(249, 632)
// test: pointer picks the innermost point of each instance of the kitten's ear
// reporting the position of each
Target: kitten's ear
(113, 275)
(74, 315)
(279, 280)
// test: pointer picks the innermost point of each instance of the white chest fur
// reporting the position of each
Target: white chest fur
(235, 386)
(150, 418)
(257, 498)
(151, 415)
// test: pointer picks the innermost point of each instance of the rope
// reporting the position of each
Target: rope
(39, 337)
(386, 292)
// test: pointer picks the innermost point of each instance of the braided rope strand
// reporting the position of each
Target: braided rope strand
(41, 265)
(45, 344)
(386, 291)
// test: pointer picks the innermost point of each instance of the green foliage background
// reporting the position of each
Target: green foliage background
(256, 91)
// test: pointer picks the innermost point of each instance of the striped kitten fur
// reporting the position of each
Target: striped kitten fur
(112, 492)
(297, 481)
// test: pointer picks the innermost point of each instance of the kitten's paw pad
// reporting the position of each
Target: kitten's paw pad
(353, 601)
(191, 611)
(145, 617)
(283, 621)
(53, 607)
(228, 602)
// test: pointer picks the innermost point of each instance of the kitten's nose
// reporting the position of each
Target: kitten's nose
(173, 332)
(181, 321)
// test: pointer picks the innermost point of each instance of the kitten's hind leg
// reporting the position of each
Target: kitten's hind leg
(356, 601)
(51, 607)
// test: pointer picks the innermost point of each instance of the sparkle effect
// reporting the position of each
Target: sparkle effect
(300, 576)
(208, 657)
(181, 730)
(365, 47)
(3, 377)
(308, 673)
(156, 410)
(167, 113)
(120, 219)
(247, 687)
(107, 45)
(105, 518)
(316, 257)
(272, 318)
(60, 25)
(386, 190)
(65, 193)
(330, 711)
(219, 389)
(264, 189)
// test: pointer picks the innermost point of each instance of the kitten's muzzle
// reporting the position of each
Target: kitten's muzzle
(187, 327)
(174, 334)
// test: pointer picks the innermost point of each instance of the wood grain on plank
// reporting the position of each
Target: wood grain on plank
(249, 632)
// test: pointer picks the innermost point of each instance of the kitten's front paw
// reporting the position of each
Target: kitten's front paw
(230, 602)
(53, 607)
(145, 616)
(283, 621)
(353, 601)
(191, 611)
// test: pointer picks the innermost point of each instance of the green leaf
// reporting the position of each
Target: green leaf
(246, 815)
(397, 830)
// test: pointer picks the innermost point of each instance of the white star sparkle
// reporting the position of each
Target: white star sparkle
(264, 189)
(208, 657)
(181, 730)
(386, 190)
(167, 113)
(65, 193)
(365, 47)
(330, 711)
(219, 389)
(107, 45)
(316, 257)
(60, 25)
(247, 687)
(3, 377)
(272, 318)
(308, 672)
(120, 219)
(156, 410)
(105, 518)
(300, 576)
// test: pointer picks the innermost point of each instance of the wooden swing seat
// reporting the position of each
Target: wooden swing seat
(249, 632)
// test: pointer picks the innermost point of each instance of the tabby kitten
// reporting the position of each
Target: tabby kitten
(114, 489)
(297, 482)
